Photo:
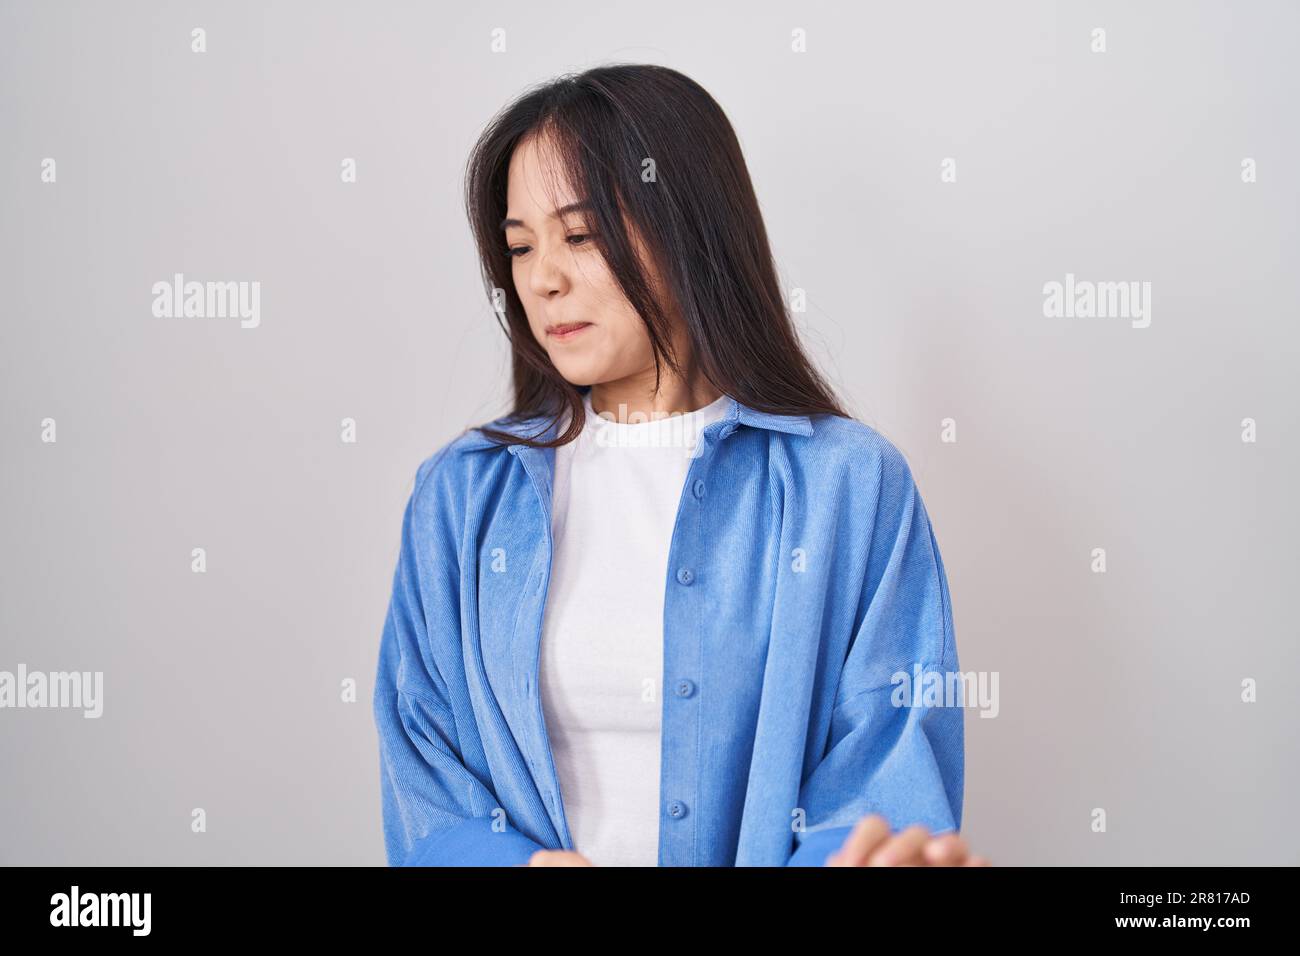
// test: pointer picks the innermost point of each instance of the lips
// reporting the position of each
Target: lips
(566, 330)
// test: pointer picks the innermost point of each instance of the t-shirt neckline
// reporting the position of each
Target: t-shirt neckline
(693, 420)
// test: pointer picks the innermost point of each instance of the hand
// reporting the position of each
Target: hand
(558, 858)
(870, 844)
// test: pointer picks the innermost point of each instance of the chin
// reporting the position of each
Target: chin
(579, 373)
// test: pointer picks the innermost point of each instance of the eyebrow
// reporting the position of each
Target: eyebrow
(562, 211)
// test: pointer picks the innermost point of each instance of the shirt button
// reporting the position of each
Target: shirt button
(676, 809)
(685, 575)
(699, 489)
(685, 688)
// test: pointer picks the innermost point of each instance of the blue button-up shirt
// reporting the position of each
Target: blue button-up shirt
(803, 579)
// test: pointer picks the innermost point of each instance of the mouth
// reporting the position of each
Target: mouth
(567, 330)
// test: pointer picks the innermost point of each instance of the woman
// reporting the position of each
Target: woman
(656, 614)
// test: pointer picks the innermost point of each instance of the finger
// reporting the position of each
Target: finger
(977, 861)
(904, 848)
(570, 858)
(866, 835)
(948, 849)
(549, 858)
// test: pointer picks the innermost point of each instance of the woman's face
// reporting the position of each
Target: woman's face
(575, 308)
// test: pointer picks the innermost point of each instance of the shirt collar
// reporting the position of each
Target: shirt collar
(542, 429)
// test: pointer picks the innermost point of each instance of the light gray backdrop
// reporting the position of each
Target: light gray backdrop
(1119, 690)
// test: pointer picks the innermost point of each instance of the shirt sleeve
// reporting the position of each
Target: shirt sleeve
(436, 811)
(892, 749)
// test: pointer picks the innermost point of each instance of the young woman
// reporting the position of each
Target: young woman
(669, 610)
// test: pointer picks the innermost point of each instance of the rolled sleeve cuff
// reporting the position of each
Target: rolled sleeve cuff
(817, 845)
(472, 842)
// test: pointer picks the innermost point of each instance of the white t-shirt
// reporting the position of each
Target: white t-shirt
(617, 489)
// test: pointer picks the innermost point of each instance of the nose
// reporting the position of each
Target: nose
(547, 277)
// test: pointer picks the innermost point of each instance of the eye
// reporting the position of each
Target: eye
(584, 238)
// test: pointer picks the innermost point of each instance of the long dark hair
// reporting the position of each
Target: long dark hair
(697, 215)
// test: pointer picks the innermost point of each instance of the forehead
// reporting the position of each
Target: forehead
(536, 181)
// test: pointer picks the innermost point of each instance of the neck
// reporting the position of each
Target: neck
(637, 394)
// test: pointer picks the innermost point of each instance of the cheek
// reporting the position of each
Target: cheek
(623, 334)
(626, 339)
(536, 325)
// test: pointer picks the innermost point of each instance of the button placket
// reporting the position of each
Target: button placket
(538, 465)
